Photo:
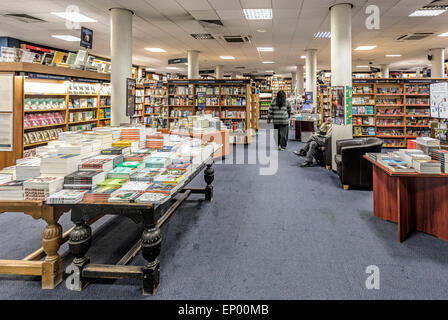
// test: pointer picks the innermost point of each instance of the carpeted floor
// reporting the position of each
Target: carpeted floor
(294, 235)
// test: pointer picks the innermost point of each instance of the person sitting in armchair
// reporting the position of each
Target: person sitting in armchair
(313, 144)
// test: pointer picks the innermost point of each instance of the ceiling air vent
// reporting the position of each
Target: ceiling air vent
(237, 39)
(202, 36)
(240, 67)
(24, 18)
(213, 22)
(414, 36)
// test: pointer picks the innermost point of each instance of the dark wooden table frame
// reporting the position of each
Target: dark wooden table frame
(412, 200)
(152, 218)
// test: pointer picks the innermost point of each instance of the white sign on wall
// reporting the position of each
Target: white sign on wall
(439, 100)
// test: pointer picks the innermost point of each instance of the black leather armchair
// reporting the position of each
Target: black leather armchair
(353, 169)
(323, 156)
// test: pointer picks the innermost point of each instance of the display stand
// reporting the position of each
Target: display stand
(151, 216)
(412, 200)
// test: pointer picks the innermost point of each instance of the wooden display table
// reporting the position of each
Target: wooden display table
(52, 238)
(302, 126)
(51, 268)
(152, 217)
(415, 201)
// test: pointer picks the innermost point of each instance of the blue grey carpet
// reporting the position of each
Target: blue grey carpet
(294, 235)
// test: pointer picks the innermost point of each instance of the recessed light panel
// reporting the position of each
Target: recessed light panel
(258, 14)
(73, 16)
(302, 57)
(393, 55)
(265, 49)
(268, 62)
(365, 48)
(427, 12)
(155, 49)
(66, 37)
(227, 57)
(443, 34)
(172, 68)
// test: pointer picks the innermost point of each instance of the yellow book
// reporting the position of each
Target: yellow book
(58, 57)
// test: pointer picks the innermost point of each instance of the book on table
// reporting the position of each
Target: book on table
(395, 164)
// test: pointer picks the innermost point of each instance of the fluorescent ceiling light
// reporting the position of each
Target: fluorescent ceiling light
(227, 57)
(443, 34)
(155, 49)
(364, 48)
(261, 30)
(427, 12)
(303, 57)
(172, 68)
(66, 37)
(73, 16)
(269, 71)
(323, 34)
(258, 14)
(393, 55)
(268, 62)
(362, 66)
(150, 69)
(265, 49)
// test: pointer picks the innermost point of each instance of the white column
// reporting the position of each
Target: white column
(219, 72)
(233, 74)
(293, 83)
(384, 71)
(121, 62)
(341, 63)
(311, 68)
(299, 81)
(438, 63)
(193, 64)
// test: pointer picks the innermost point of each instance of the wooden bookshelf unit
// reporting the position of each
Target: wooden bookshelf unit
(230, 100)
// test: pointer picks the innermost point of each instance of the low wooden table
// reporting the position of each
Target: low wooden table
(415, 201)
(152, 218)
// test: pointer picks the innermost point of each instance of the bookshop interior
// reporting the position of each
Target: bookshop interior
(209, 149)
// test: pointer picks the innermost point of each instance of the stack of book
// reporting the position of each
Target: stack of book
(395, 164)
(28, 168)
(86, 150)
(427, 166)
(121, 172)
(97, 163)
(152, 197)
(162, 188)
(66, 197)
(42, 187)
(428, 142)
(123, 196)
(442, 157)
(8, 173)
(136, 186)
(12, 190)
(409, 155)
(146, 174)
(154, 141)
(156, 162)
(99, 194)
(84, 180)
(59, 164)
(134, 134)
(124, 151)
(132, 145)
(113, 182)
(167, 178)
(132, 164)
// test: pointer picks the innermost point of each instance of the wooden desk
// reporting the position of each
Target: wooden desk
(415, 201)
(302, 126)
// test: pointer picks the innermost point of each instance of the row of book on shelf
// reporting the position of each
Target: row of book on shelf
(128, 164)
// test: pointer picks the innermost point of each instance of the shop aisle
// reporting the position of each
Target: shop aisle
(294, 235)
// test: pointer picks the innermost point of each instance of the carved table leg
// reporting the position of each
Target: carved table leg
(209, 176)
(79, 242)
(151, 244)
(51, 240)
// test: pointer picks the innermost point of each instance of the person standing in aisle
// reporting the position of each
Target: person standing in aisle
(279, 113)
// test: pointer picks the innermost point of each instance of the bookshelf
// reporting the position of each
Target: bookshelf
(227, 99)
(156, 104)
(394, 110)
(44, 104)
(138, 116)
(324, 102)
